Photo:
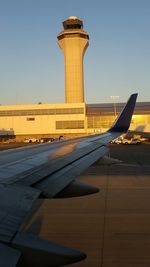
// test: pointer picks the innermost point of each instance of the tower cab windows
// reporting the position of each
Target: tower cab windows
(73, 26)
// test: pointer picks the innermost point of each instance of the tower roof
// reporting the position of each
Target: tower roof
(72, 23)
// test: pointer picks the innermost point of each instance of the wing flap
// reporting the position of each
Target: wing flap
(15, 202)
(56, 182)
(9, 256)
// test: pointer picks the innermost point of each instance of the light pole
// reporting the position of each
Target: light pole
(114, 98)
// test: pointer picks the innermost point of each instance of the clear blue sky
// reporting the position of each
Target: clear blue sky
(117, 61)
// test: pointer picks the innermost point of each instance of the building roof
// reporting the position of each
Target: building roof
(108, 108)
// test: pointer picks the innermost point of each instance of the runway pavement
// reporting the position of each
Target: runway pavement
(112, 226)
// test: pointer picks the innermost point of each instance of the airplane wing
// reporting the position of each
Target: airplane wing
(47, 170)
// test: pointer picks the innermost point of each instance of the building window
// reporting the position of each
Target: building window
(33, 112)
(30, 119)
(98, 122)
(60, 125)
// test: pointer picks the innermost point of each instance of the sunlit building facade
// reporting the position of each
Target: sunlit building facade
(42, 119)
(100, 117)
(53, 120)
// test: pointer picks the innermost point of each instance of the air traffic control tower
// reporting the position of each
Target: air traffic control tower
(73, 41)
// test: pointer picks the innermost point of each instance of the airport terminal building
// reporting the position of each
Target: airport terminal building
(74, 117)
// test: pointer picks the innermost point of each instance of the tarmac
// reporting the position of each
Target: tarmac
(113, 226)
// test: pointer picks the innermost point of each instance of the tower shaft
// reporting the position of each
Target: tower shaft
(73, 41)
